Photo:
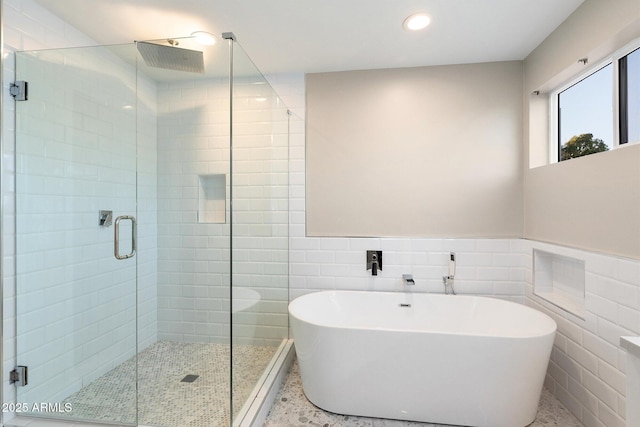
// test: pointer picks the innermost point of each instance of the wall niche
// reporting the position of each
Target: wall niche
(212, 198)
(560, 280)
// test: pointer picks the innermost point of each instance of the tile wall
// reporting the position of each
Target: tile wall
(587, 368)
(28, 27)
(75, 154)
(193, 140)
(260, 206)
(65, 174)
(194, 255)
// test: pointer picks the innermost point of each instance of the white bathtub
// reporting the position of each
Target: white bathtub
(444, 359)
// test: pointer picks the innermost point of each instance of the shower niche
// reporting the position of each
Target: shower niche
(212, 198)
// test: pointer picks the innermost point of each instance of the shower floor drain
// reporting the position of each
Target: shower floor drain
(189, 378)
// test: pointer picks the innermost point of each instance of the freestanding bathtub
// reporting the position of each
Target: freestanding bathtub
(444, 359)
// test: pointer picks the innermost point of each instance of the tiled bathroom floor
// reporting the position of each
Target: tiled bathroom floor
(292, 409)
(163, 399)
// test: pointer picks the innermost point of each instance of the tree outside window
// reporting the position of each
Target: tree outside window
(581, 145)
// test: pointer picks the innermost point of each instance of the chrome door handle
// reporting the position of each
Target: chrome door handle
(116, 237)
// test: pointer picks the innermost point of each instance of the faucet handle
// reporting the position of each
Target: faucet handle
(374, 262)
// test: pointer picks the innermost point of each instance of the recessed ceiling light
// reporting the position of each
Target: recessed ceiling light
(416, 22)
(204, 38)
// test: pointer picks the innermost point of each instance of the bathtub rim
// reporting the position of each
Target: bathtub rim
(552, 324)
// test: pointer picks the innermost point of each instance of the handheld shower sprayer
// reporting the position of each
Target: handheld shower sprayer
(452, 265)
(448, 279)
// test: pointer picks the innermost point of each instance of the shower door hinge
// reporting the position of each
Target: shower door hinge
(19, 376)
(19, 90)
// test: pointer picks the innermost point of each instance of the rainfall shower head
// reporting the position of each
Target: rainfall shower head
(171, 57)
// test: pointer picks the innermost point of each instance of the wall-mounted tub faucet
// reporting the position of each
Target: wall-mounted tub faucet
(374, 262)
(448, 280)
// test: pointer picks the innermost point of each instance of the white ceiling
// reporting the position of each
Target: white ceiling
(331, 35)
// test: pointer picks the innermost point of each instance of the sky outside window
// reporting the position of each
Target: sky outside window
(587, 107)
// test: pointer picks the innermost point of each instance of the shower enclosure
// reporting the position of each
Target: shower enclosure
(151, 233)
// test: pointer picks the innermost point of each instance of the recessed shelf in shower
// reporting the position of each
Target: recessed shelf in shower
(212, 197)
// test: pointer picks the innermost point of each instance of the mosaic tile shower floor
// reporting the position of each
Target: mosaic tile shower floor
(166, 401)
(292, 409)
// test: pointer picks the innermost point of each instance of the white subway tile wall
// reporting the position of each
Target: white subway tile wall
(76, 155)
(260, 211)
(193, 260)
(27, 27)
(194, 277)
(587, 367)
(147, 210)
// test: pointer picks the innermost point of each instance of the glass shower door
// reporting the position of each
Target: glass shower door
(260, 238)
(76, 191)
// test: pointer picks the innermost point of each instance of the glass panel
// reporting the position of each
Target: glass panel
(260, 229)
(184, 366)
(585, 113)
(75, 302)
(633, 96)
(105, 131)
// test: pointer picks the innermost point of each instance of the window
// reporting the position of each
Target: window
(629, 78)
(585, 116)
(591, 116)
